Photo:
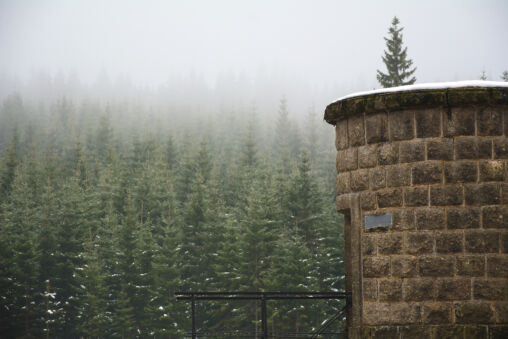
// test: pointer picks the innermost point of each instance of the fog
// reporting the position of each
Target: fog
(231, 52)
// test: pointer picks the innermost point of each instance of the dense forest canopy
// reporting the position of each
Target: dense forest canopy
(108, 207)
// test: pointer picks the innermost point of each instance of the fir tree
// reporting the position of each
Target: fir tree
(399, 71)
(504, 76)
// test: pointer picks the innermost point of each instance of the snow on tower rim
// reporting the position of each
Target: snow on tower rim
(444, 94)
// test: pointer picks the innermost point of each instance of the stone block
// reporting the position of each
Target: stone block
(429, 218)
(368, 201)
(495, 216)
(498, 332)
(497, 266)
(377, 178)
(412, 151)
(403, 266)
(440, 149)
(370, 289)
(369, 246)
(360, 180)
(376, 267)
(489, 121)
(474, 313)
(491, 170)
(416, 196)
(428, 123)
(490, 289)
(398, 175)
(343, 183)
(403, 219)
(388, 153)
(419, 243)
(449, 332)
(390, 290)
(460, 171)
(347, 160)
(436, 266)
(473, 148)
(475, 332)
(389, 243)
(501, 148)
(447, 242)
(446, 195)
(414, 332)
(501, 312)
(504, 242)
(453, 289)
(460, 217)
(356, 133)
(482, 241)
(376, 127)
(436, 313)
(459, 121)
(374, 313)
(389, 198)
(427, 172)
(341, 138)
(401, 125)
(419, 289)
(471, 266)
(367, 156)
(483, 194)
(404, 313)
(385, 332)
(343, 202)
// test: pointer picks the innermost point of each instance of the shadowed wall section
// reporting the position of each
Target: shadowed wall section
(434, 164)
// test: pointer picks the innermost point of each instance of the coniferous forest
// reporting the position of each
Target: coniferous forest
(110, 207)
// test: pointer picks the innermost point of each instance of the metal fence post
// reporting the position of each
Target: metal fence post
(264, 325)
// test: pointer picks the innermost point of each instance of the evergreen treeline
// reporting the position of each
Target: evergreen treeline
(108, 209)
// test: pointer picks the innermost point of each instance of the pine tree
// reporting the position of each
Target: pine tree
(504, 76)
(399, 71)
(483, 75)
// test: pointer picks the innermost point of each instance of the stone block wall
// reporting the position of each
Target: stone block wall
(440, 270)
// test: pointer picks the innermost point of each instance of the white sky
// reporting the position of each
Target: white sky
(321, 41)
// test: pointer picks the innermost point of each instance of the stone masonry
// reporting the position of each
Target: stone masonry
(437, 161)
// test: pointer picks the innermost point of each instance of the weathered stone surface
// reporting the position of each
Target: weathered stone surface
(449, 332)
(501, 148)
(368, 201)
(416, 196)
(385, 332)
(388, 154)
(370, 289)
(447, 242)
(497, 266)
(471, 266)
(454, 289)
(398, 175)
(390, 243)
(482, 241)
(367, 156)
(501, 312)
(490, 289)
(418, 289)
(440, 149)
(404, 313)
(437, 313)
(341, 138)
(446, 195)
(376, 127)
(419, 243)
(403, 219)
(460, 217)
(343, 183)
(401, 125)
(429, 218)
(483, 194)
(414, 332)
(412, 151)
(495, 216)
(475, 332)
(347, 160)
(504, 242)
(376, 313)
(436, 266)
(498, 332)
(377, 178)
(460, 121)
(389, 197)
(369, 246)
(356, 133)
(343, 202)
(489, 121)
(428, 123)
(474, 313)
(491, 170)
(461, 171)
(376, 267)
(404, 266)
(390, 290)
(360, 180)
(428, 172)
(473, 148)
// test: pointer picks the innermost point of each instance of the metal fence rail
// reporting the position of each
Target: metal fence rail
(263, 297)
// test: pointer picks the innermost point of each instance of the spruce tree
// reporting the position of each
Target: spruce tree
(504, 76)
(399, 70)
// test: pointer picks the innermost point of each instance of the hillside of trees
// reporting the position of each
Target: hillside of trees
(108, 208)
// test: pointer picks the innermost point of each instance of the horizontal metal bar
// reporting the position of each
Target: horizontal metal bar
(318, 297)
(259, 293)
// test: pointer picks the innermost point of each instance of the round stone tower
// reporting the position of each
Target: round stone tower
(423, 184)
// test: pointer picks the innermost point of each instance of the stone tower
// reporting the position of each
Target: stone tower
(423, 184)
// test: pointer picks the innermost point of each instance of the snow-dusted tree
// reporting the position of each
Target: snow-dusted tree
(399, 70)
(504, 76)
(483, 76)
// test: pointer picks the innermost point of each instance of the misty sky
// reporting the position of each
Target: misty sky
(321, 41)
